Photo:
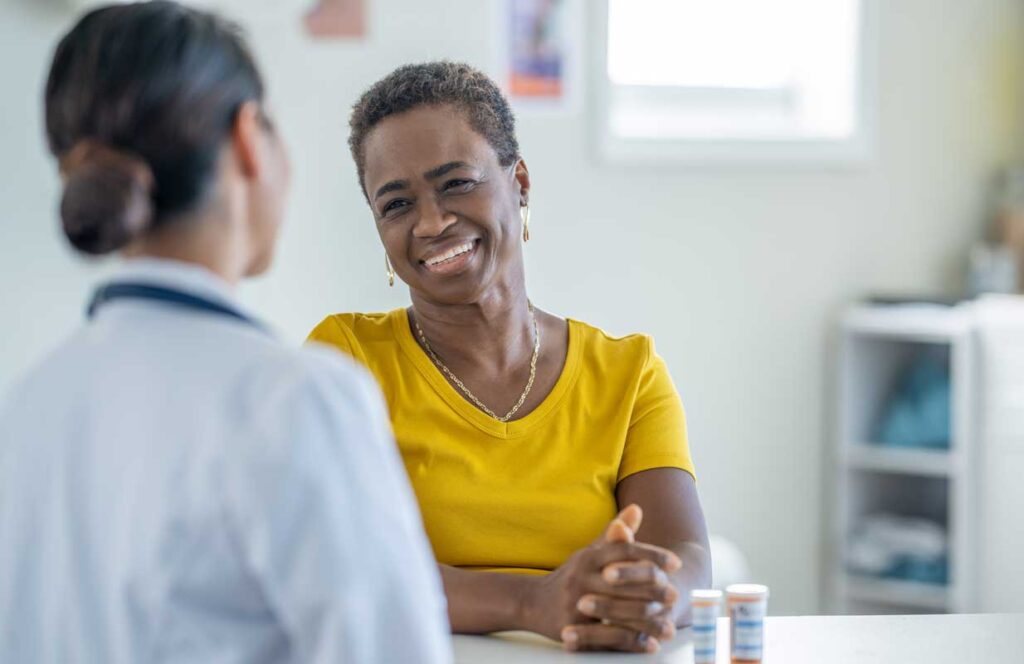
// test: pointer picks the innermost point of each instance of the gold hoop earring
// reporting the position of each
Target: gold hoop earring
(390, 271)
(524, 212)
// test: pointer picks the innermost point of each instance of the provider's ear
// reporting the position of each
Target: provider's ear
(247, 139)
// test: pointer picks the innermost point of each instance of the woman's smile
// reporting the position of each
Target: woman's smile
(452, 258)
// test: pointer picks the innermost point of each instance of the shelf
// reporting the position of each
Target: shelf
(877, 348)
(909, 322)
(898, 593)
(930, 463)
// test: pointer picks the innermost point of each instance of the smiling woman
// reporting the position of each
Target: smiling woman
(550, 460)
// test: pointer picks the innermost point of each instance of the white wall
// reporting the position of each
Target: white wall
(736, 272)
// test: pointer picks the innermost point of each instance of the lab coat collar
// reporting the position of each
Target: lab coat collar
(188, 277)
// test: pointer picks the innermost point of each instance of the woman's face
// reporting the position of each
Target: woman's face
(446, 210)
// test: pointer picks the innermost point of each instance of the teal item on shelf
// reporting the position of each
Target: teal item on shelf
(922, 570)
(918, 414)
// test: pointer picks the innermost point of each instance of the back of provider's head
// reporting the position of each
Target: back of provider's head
(141, 101)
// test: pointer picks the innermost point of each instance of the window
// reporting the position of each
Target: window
(735, 80)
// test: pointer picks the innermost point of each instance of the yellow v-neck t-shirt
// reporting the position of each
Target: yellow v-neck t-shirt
(521, 496)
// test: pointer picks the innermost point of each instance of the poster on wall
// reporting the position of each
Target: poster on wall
(331, 19)
(541, 53)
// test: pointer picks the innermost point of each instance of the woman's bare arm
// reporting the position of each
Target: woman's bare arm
(672, 519)
(483, 602)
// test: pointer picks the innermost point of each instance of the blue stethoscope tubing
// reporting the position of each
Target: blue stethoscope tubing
(169, 296)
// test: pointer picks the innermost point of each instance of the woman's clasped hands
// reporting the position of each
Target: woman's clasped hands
(615, 594)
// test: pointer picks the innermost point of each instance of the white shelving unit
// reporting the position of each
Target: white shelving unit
(888, 593)
(1000, 460)
(877, 345)
(906, 461)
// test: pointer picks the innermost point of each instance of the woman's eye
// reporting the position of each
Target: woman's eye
(458, 185)
(396, 204)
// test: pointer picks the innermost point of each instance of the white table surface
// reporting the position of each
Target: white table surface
(935, 639)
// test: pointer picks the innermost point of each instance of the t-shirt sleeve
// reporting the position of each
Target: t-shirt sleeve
(328, 524)
(331, 332)
(657, 428)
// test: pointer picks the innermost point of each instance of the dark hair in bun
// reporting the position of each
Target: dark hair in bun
(108, 197)
(139, 101)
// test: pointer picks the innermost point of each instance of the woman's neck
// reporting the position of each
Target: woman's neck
(495, 333)
(206, 243)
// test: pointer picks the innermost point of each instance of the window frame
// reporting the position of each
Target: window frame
(855, 150)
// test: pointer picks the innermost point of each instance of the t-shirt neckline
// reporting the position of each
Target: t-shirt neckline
(461, 405)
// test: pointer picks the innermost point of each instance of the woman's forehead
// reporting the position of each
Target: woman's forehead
(410, 143)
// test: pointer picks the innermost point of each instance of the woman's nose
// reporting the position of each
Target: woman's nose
(433, 220)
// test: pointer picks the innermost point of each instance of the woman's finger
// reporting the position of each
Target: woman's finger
(663, 631)
(605, 554)
(642, 616)
(624, 526)
(617, 531)
(634, 580)
(597, 636)
(634, 573)
(617, 609)
(632, 516)
(666, 594)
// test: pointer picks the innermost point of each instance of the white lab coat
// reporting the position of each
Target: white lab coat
(177, 486)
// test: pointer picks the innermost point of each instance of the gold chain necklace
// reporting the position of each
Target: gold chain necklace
(462, 386)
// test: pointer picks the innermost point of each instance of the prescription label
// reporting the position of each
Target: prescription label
(746, 630)
(705, 617)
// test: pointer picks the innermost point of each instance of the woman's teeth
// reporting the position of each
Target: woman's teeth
(450, 254)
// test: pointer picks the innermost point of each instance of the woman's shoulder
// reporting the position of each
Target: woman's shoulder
(596, 340)
(355, 329)
(618, 357)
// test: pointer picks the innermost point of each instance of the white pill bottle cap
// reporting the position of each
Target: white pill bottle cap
(747, 591)
(705, 596)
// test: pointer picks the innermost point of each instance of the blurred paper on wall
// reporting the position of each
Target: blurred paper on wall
(337, 18)
(540, 53)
